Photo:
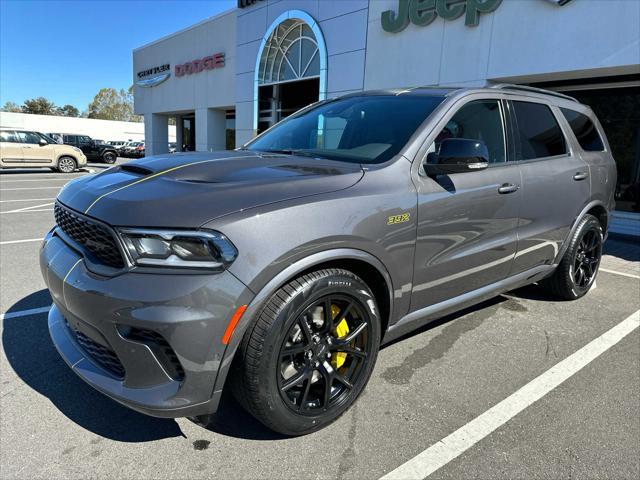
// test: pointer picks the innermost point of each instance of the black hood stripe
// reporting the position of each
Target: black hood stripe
(157, 174)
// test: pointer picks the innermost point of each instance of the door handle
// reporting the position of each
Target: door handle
(508, 188)
(580, 176)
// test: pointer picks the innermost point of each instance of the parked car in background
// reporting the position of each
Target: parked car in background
(96, 151)
(34, 149)
(128, 148)
(344, 227)
(172, 147)
(116, 143)
(138, 151)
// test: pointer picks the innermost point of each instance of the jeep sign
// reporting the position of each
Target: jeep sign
(424, 12)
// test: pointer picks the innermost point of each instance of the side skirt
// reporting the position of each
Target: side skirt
(428, 314)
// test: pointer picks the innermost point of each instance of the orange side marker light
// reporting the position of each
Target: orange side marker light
(232, 324)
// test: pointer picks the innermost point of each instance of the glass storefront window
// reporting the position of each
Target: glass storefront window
(618, 109)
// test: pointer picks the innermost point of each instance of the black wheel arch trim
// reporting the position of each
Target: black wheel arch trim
(284, 276)
(590, 206)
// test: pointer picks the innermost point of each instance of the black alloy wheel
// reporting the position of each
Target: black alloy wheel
(309, 353)
(578, 268)
(109, 157)
(318, 365)
(587, 259)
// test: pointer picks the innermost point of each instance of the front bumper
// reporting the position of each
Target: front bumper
(169, 372)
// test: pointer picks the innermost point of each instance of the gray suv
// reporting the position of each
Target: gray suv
(277, 270)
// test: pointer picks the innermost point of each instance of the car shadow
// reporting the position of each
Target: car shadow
(36, 362)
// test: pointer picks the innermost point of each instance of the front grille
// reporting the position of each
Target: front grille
(104, 356)
(96, 238)
(160, 348)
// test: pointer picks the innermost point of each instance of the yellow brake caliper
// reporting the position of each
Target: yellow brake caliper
(341, 330)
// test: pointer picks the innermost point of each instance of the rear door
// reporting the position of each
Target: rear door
(555, 182)
(467, 222)
(34, 154)
(10, 149)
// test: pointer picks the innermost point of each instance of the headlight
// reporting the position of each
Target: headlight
(182, 249)
(77, 149)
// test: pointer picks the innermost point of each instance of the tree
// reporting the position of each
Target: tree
(11, 107)
(111, 104)
(68, 111)
(39, 106)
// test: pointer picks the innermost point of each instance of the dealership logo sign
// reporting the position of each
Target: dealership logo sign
(153, 76)
(424, 12)
(197, 66)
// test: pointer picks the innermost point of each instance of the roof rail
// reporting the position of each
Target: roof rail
(525, 88)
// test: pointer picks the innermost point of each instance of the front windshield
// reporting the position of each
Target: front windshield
(363, 129)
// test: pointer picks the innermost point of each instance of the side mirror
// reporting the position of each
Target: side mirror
(43, 142)
(457, 155)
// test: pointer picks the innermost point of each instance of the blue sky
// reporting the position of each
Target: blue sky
(67, 50)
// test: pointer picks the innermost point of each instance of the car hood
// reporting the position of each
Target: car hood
(189, 189)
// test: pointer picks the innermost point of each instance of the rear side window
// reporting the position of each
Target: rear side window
(8, 136)
(70, 139)
(539, 134)
(584, 130)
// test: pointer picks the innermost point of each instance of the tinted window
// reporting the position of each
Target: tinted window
(539, 132)
(8, 136)
(584, 130)
(29, 137)
(84, 139)
(479, 120)
(70, 139)
(360, 129)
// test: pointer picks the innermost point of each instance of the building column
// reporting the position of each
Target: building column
(179, 132)
(156, 134)
(211, 124)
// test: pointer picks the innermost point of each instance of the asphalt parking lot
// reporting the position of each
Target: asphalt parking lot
(435, 382)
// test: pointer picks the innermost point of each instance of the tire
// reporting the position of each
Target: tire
(66, 165)
(109, 157)
(265, 370)
(578, 268)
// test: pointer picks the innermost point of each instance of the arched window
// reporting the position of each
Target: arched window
(292, 49)
(291, 53)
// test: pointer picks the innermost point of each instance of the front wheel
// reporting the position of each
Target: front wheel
(310, 352)
(66, 165)
(577, 271)
(109, 157)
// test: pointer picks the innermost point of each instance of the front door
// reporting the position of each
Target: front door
(33, 152)
(10, 149)
(88, 147)
(555, 183)
(467, 222)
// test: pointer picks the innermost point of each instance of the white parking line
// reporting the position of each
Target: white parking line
(24, 313)
(630, 275)
(28, 211)
(32, 207)
(29, 188)
(454, 445)
(2, 182)
(9, 242)
(28, 200)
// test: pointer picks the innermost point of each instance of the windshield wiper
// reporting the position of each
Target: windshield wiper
(302, 153)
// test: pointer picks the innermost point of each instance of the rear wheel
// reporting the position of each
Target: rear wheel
(66, 165)
(577, 271)
(109, 157)
(310, 353)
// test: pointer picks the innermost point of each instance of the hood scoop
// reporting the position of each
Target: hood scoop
(137, 169)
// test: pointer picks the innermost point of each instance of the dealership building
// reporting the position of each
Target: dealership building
(233, 75)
